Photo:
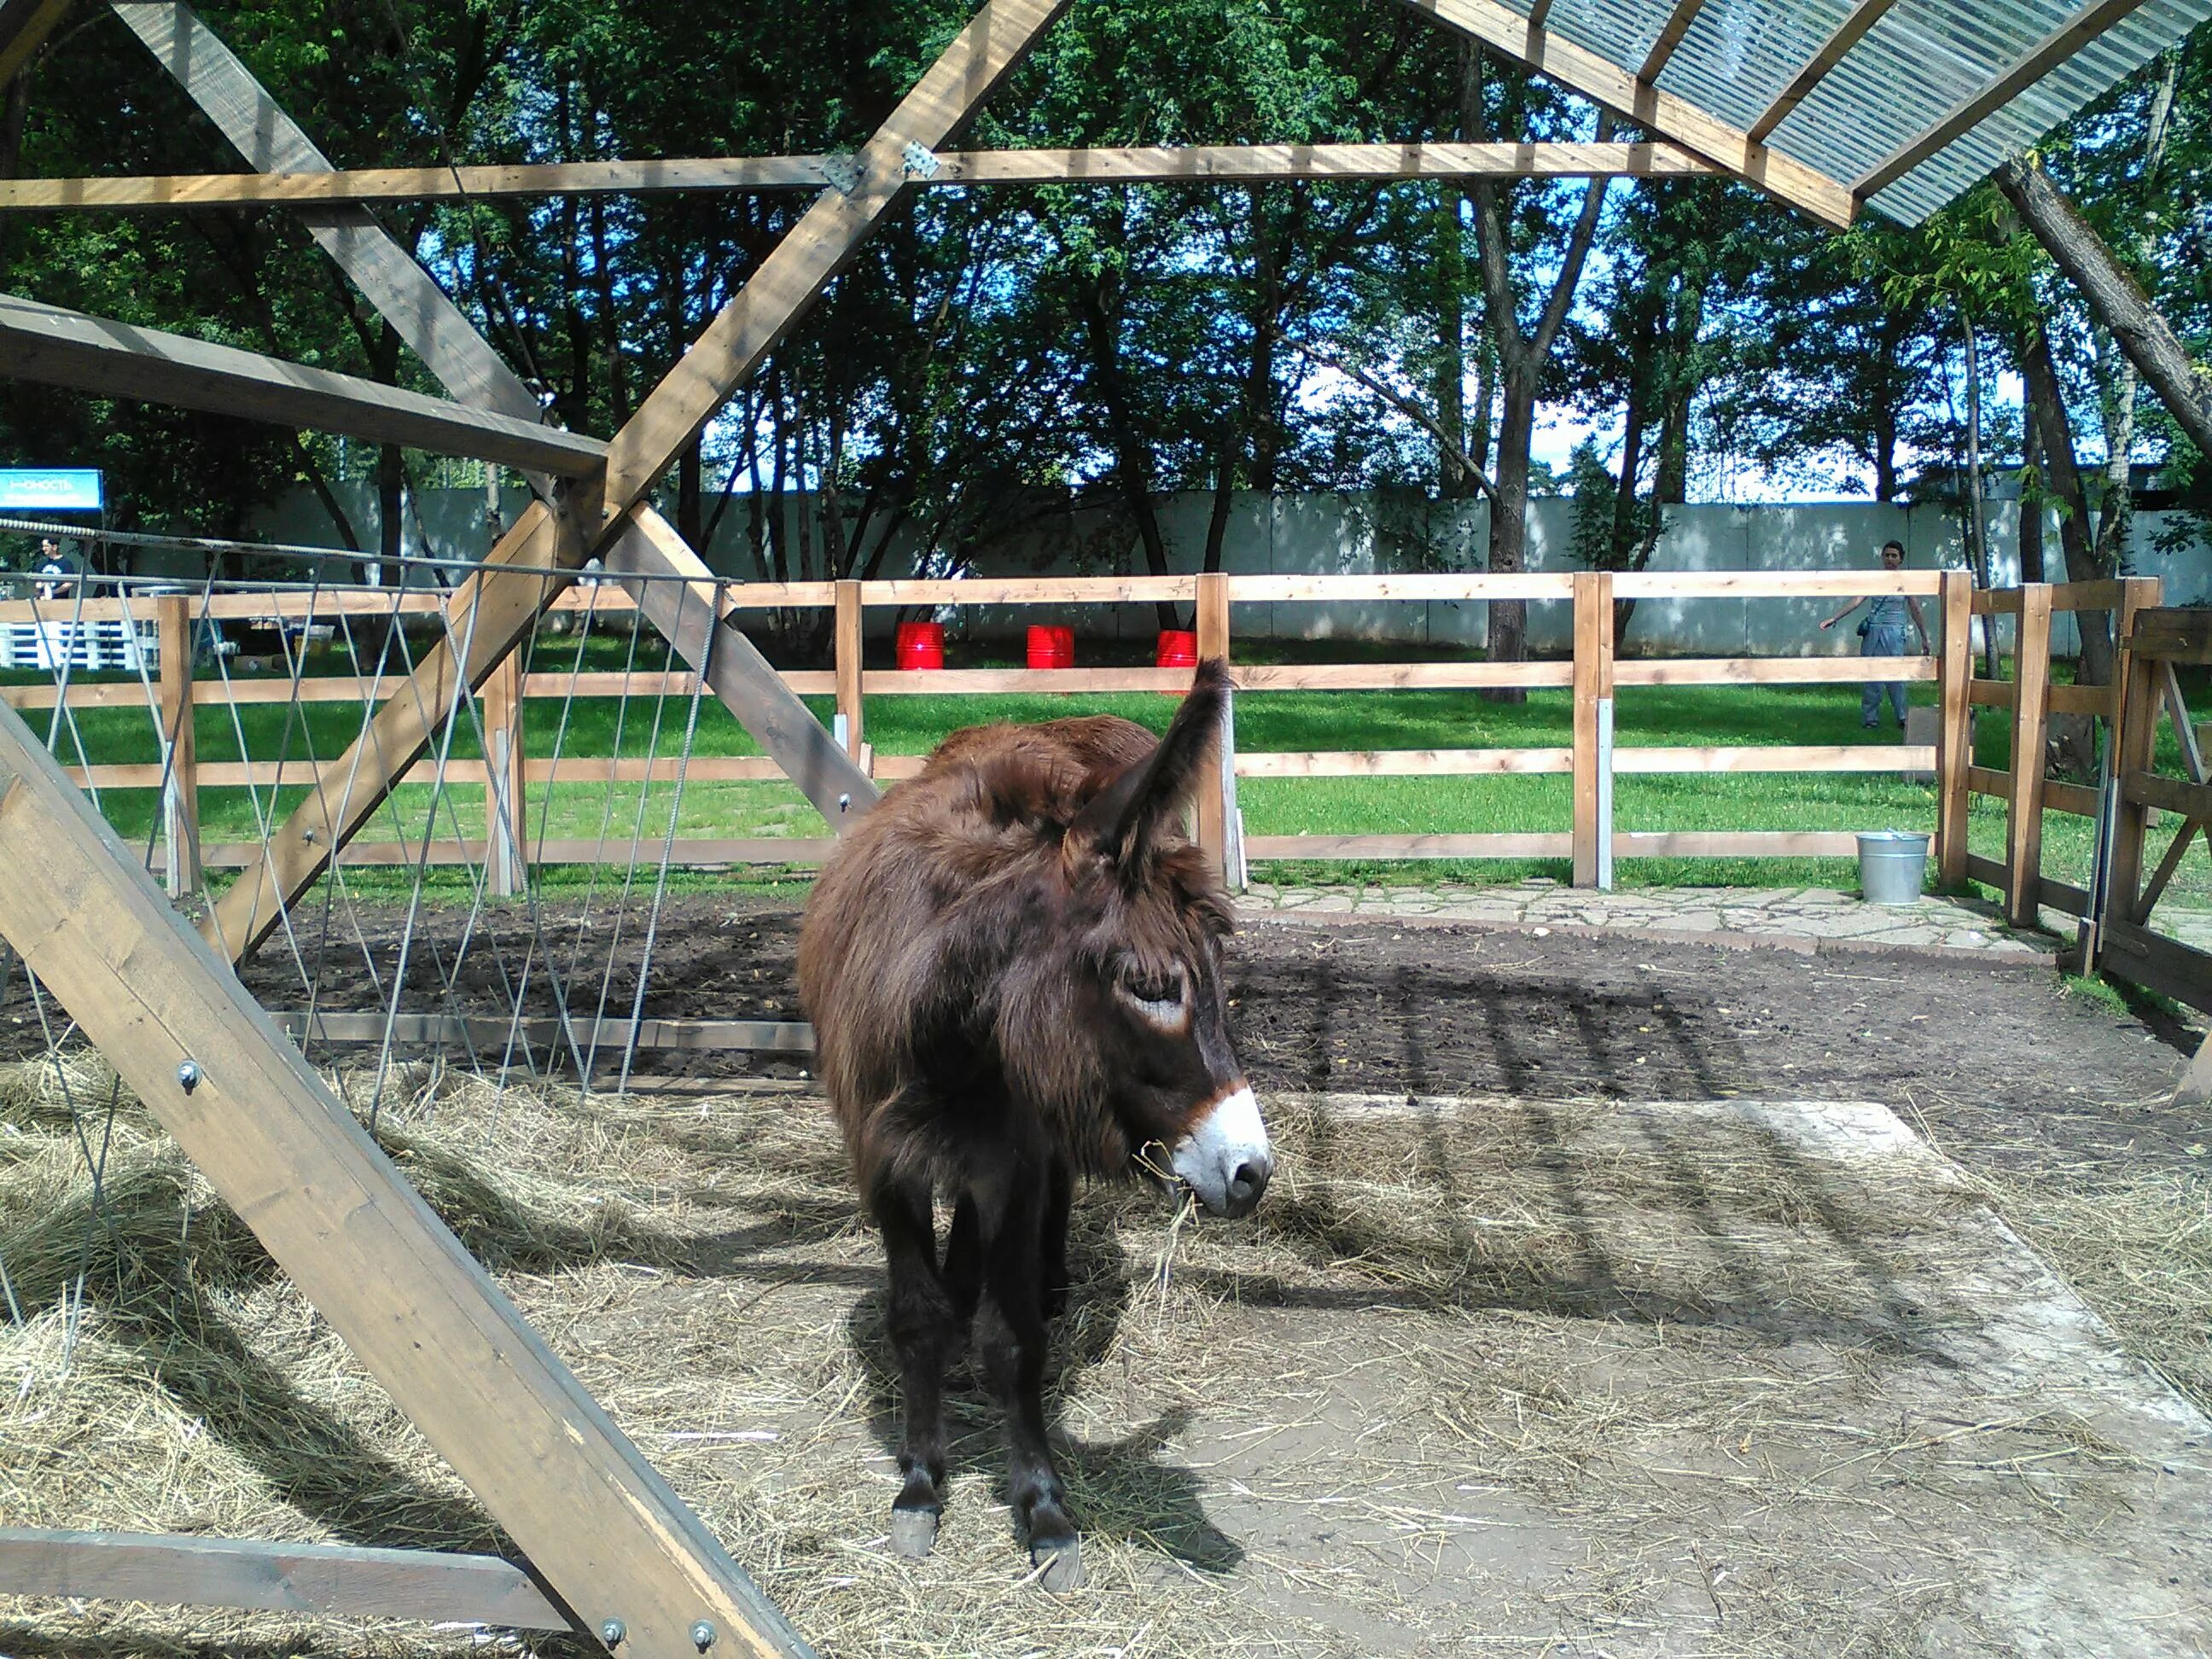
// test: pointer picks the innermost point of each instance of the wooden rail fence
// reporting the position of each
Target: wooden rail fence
(1593, 673)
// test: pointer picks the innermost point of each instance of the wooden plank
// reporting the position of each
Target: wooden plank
(2024, 807)
(1990, 872)
(2176, 851)
(993, 682)
(506, 794)
(1994, 94)
(1778, 757)
(329, 1580)
(690, 853)
(55, 347)
(290, 1160)
(1402, 762)
(1108, 165)
(1400, 676)
(1773, 584)
(2156, 963)
(2062, 896)
(181, 807)
(847, 645)
(25, 26)
(691, 613)
(1993, 694)
(2088, 596)
(1737, 843)
(1034, 590)
(1846, 35)
(1997, 602)
(1511, 845)
(2145, 788)
(1339, 590)
(785, 284)
(2095, 700)
(272, 604)
(2059, 796)
(264, 774)
(480, 1031)
(399, 289)
(1594, 679)
(672, 683)
(2134, 745)
(2173, 634)
(1773, 671)
(1211, 619)
(489, 613)
(1669, 37)
(1559, 59)
(1988, 781)
(1954, 732)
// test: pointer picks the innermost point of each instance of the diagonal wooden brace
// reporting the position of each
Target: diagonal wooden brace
(594, 1518)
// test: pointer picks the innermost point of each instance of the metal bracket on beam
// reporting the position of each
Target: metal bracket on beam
(843, 171)
(919, 162)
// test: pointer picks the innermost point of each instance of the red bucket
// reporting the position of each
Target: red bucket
(1052, 648)
(921, 645)
(1178, 648)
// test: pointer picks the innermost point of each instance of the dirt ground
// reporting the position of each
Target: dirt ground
(1590, 1316)
(2002, 1058)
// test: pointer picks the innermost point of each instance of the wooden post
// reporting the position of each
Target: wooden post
(598, 1525)
(849, 644)
(1213, 642)
(2135, 743)
(180, 803)
(2136, 593)
(506, 807)
(1954, 733)
(2024, 801)
(1593, 756)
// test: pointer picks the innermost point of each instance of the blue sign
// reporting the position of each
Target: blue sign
(50, 489)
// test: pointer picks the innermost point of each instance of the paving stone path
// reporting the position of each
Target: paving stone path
(1776, 914)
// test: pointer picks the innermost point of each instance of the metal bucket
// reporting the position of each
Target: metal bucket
(1892, 865)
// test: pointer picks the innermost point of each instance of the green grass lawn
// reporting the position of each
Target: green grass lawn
(911, 724)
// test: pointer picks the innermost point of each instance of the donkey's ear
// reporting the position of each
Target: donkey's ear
(1125, 817)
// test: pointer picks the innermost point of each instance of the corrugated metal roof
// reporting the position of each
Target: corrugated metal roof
(1920, 61)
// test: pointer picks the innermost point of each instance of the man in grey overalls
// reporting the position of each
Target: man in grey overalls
(1881, 633)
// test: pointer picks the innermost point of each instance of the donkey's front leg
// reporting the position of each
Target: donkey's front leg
(1012, 1335)
(924, 1322)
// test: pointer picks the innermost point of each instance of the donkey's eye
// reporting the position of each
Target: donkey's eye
(1160, 1000)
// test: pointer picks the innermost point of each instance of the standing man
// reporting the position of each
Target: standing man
(1881, 633)
(53, 574)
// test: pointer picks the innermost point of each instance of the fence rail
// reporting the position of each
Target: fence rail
(1592, 759)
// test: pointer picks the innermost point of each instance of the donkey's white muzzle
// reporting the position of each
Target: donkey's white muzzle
(1226, 1160)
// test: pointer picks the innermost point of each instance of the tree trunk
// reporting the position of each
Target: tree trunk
(1977, 526)
(2055, 431)
(2030, 504)
(1509, 528)
(2113, 297)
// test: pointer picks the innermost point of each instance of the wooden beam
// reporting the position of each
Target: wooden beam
(2023, 805)
(180, 811)
(690, 612)
(1994, 94)
(1848, 34)
(1954, 730)
(1670, 36)
(332, 1580)
(401, 291)
(786, 283)
(291, 1161)
(25, 26)
(781, 1036)
(1594, 684)
(1512, 36)
(1213, 163)
(55, 347)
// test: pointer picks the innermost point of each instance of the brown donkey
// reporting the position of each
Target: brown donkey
(1013, 967)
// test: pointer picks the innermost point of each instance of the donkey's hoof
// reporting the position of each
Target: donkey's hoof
(1062, 1561)
(914, 1533)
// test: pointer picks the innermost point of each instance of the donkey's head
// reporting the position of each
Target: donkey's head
(1146, 955)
